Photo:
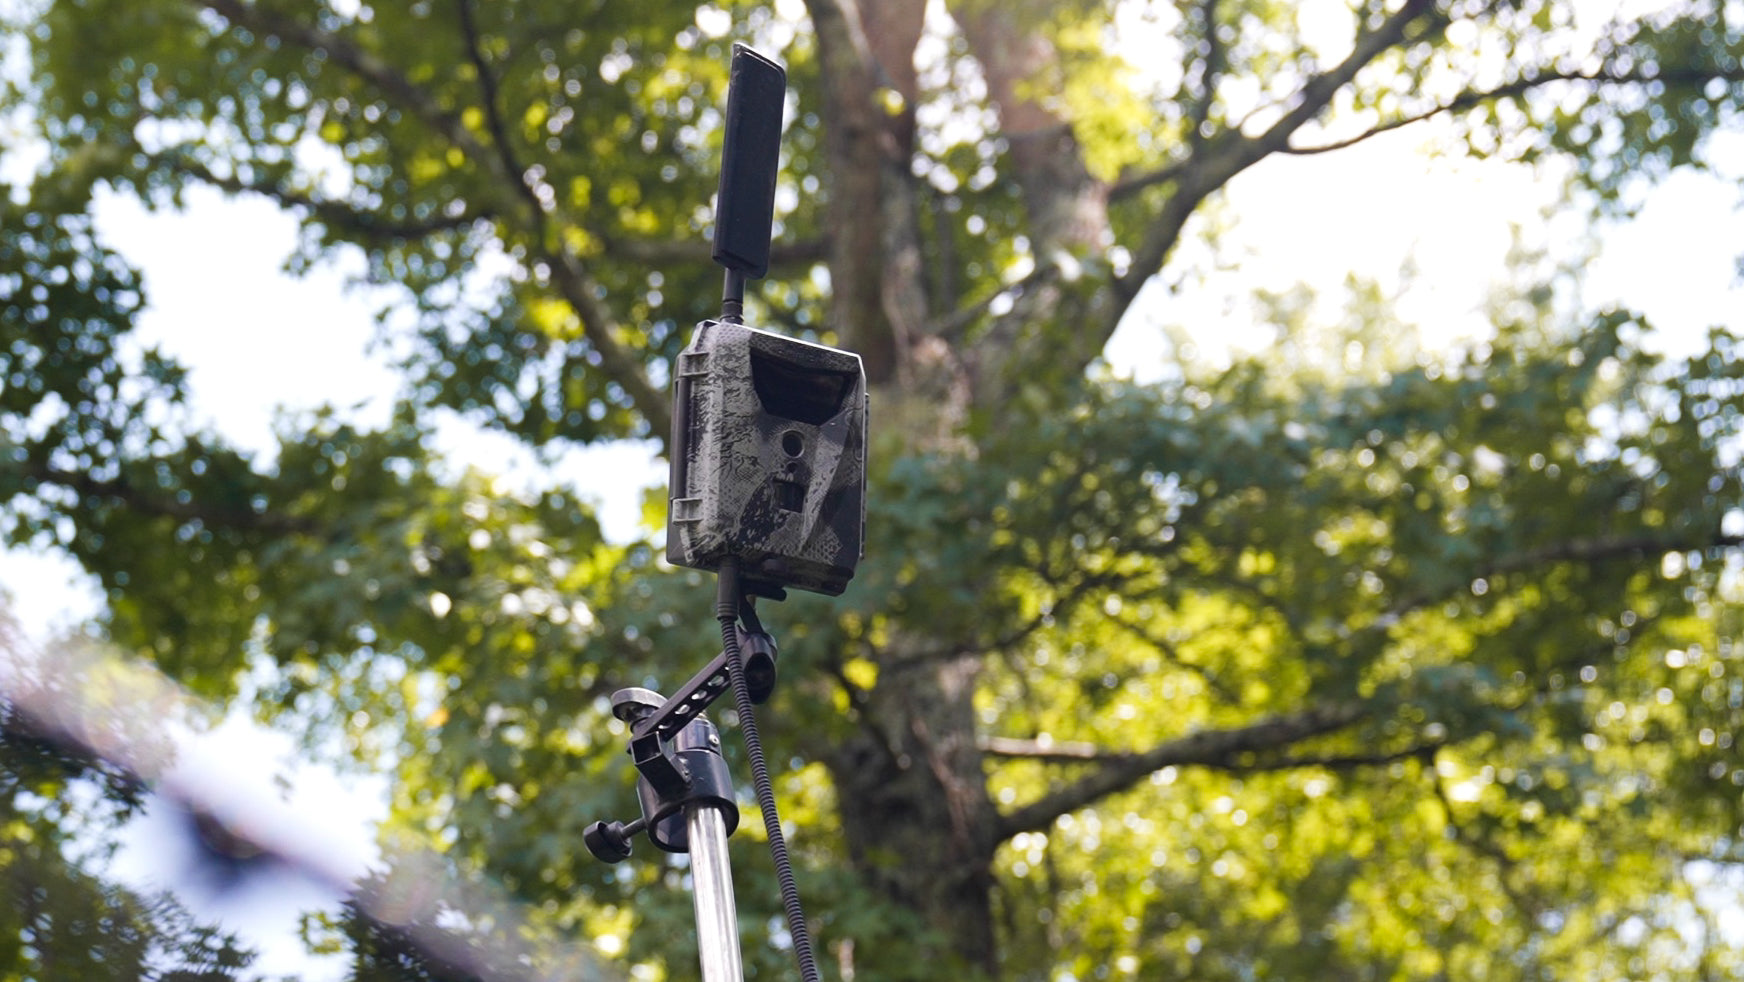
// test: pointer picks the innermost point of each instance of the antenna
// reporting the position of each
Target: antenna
(750, 154)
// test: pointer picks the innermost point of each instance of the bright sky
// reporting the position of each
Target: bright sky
(259, 343)
(1315, 219)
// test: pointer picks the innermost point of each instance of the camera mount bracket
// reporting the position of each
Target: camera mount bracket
(677, 750)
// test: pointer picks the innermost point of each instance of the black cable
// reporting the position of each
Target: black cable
(727, 612)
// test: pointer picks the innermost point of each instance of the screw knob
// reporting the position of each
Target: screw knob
(635, 702)
(610, 841)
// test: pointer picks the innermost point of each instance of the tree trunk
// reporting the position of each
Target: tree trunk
(920, 826)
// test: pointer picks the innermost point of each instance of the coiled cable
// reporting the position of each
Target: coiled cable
(727, 605)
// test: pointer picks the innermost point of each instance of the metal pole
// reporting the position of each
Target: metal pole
(711, 885)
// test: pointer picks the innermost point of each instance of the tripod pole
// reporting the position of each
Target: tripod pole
(711, 875)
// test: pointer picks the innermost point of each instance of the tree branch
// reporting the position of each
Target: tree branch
(1606, 548)
(577, 287)
(1424, 752)
(1223, 158)
(119, 489)
(1172, 654)
(508, 163)
(695, 251)
(1318, 91)
(952, 327)
(1598, 550)
(1210, 748)
(1132, 184)
(365, 65)
(337, 214)
(1521, 86)
(1506, 866)
(1075, 752)
(1068, 597)
(1071, 752)
(583, 293)
(1210, 67)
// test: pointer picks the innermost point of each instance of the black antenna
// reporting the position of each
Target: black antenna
(750, 154)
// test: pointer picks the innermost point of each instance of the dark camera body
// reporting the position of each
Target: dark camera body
(768, 458)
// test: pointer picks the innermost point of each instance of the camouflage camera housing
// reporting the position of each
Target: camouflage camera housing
(768, 458)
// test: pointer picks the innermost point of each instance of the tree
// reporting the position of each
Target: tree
(1419, 666)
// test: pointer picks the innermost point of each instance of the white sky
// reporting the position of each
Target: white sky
(259, 343)
(1317, 219)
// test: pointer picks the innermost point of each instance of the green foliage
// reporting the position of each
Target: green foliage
(1352, 660)
(1312, 541)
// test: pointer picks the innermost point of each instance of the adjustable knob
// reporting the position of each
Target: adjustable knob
(610, 841)
(630, 705)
